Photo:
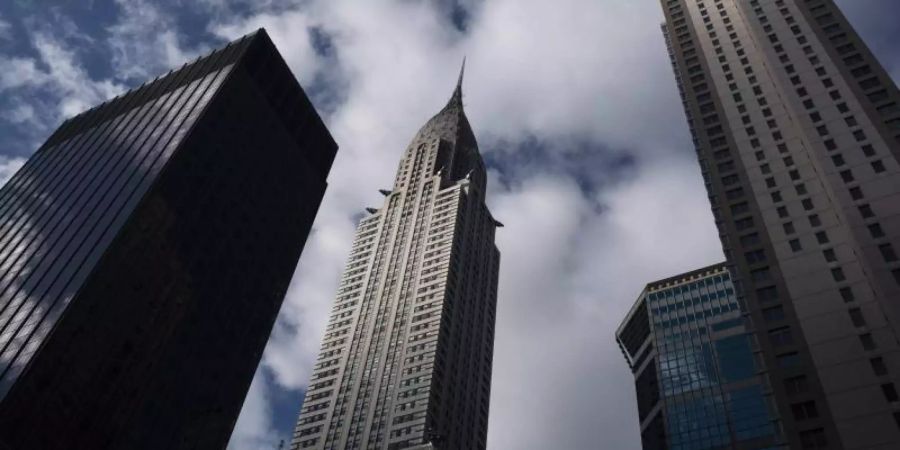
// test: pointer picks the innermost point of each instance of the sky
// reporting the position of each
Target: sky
(575, 108)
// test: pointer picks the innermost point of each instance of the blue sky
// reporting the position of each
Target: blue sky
(575, 109)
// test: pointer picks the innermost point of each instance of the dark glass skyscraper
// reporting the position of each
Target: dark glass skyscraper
(145, 250)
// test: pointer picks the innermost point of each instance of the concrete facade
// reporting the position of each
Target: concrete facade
(797, 130)
(406, 358)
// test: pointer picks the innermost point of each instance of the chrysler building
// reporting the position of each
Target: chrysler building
(406, 358)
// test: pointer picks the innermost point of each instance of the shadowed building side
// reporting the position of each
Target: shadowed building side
(145, 251)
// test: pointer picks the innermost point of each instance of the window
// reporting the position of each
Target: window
(856, 193)
(767, 294)
(805, 410)
(878, 166)
(887, 251)
(847, 295)
(856, 316)
(878, 366)
(750, 239)
(868, 342)
(789, 228)
(781, 337)
(740, 208)
(838, 274)
(755, 256)
(795, 245)
(815, 221)
(796, 385)
(890, 392)
(813, 439)
(876, 231)
(822, 237)
(829, 255)
(847, 176)
(788, 360)
(760, 275)
(773, 314)
(866, 211)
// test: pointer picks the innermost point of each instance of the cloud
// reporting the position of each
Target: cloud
(5, 29)
(39, 90)
(288, 29)
(557, 368)
(254, 430)
(22, 113)
(8, 168)
(144, 41)
(68, 80)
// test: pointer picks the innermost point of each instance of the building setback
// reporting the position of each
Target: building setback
(691, 353)
(797, 129)
(145, 250)
(406, 357)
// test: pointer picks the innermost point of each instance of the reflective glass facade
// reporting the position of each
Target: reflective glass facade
(698, 383)
(145, 250)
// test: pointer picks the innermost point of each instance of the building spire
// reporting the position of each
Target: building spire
(456, 99)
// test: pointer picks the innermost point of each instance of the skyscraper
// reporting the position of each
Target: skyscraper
(406, 357)
(145, 250)
(797, 129)
(697, 385)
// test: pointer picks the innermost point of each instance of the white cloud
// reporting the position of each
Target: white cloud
(254, 430)
(288, 29)
(41, 90)
(144, 41)
(22, 113)
(19, 72)
(8, 168)
(70, 82)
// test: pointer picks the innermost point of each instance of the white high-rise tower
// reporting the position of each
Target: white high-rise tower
(797, 129)
(406, 358)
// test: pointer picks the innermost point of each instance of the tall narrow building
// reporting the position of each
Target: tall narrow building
(406, 358)
(145, 250)
(797, 129)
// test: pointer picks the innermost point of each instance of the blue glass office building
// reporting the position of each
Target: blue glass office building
(699, 383)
